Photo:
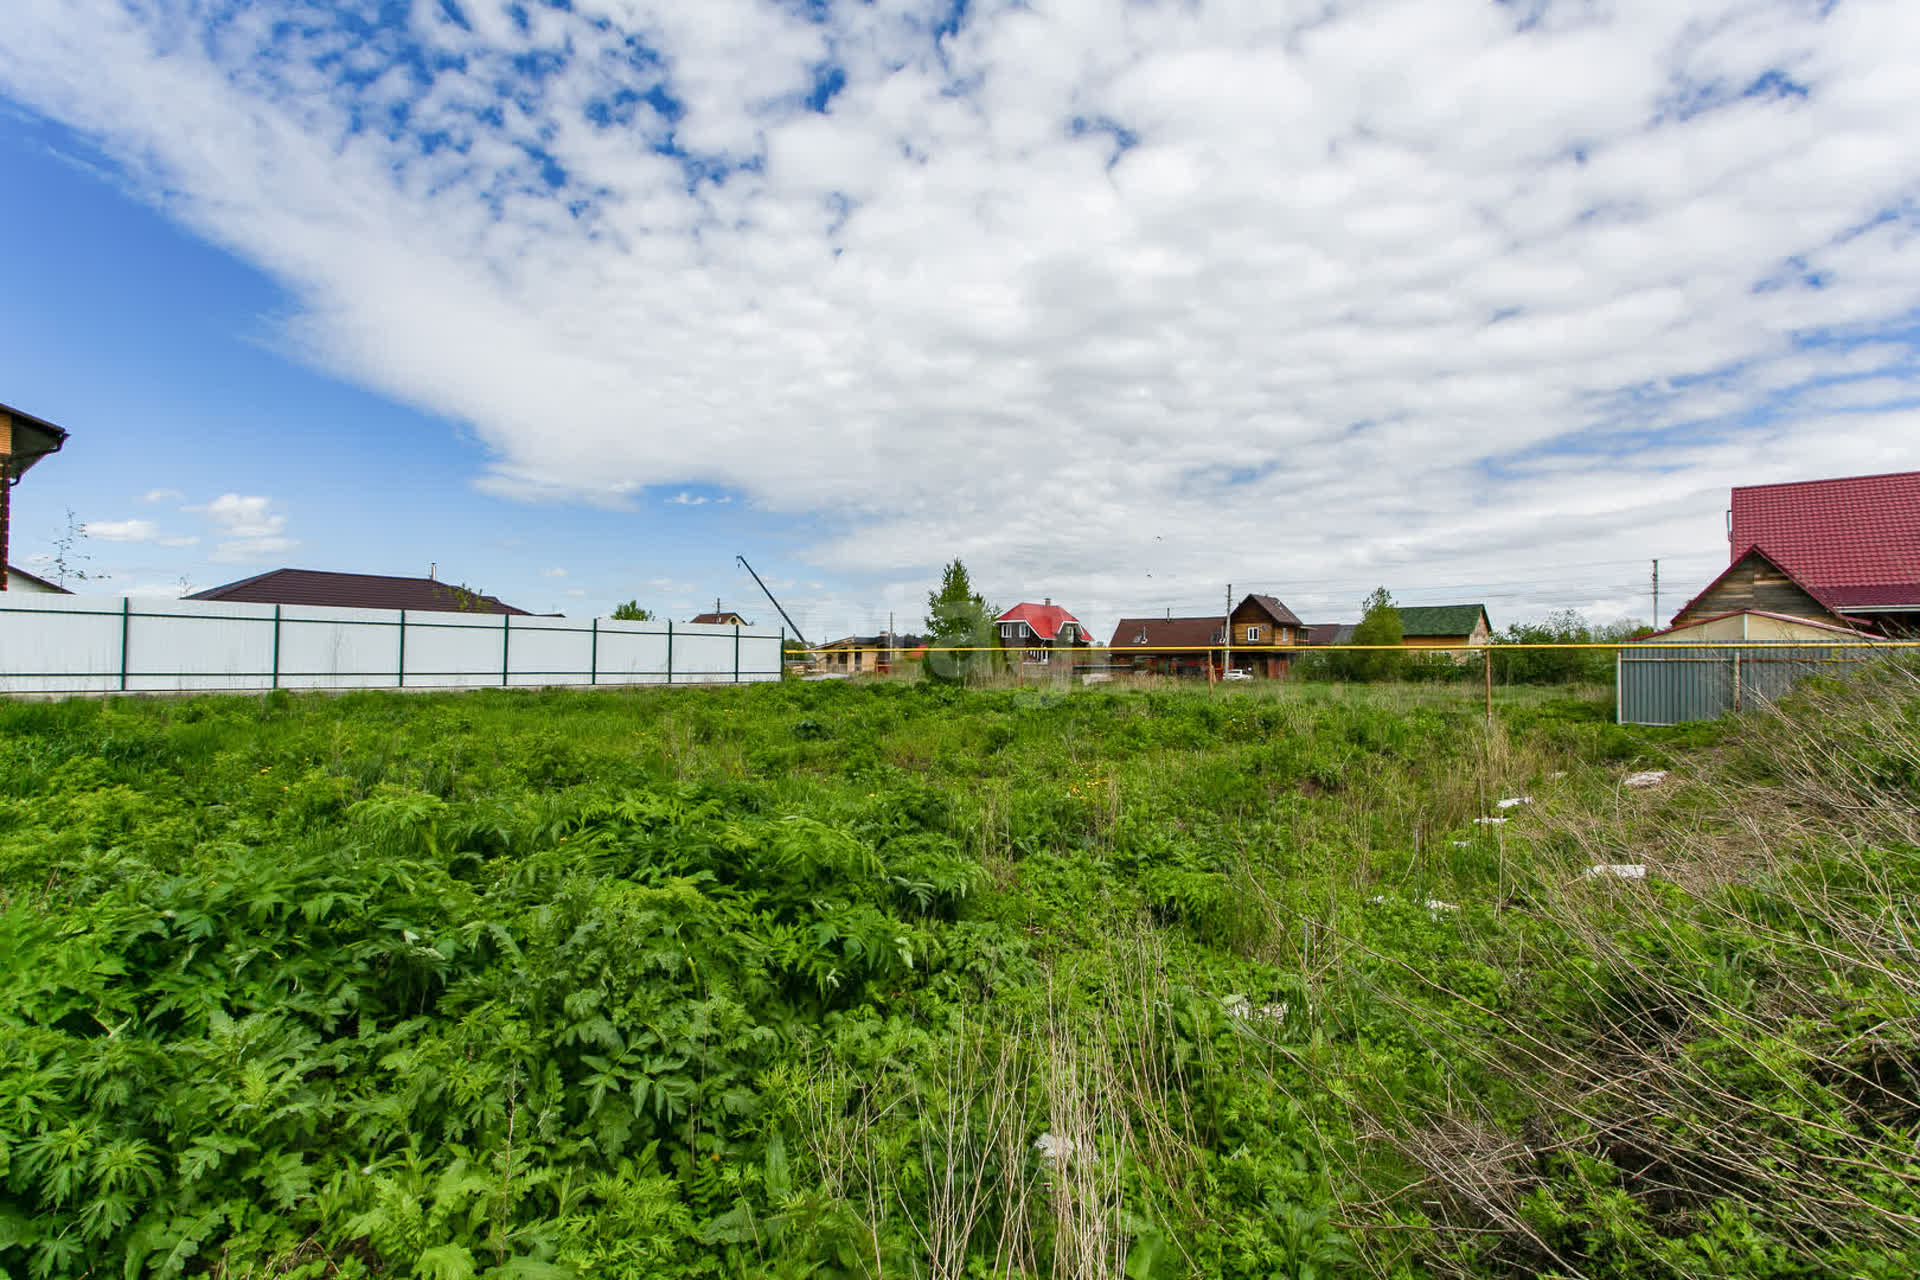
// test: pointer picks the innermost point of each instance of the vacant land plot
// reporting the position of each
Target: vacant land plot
(818, 980)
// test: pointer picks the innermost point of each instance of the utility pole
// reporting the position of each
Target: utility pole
(1226, 633)
(1656, 595)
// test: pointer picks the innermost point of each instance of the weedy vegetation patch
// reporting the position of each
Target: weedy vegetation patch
(828, 980)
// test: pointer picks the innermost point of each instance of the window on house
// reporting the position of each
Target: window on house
(1253, 634)
(1006, 631)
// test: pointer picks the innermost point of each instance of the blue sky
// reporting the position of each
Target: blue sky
(1122, 304)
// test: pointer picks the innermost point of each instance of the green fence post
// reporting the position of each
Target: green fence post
(780, 665)
(506, 645)
(401, 674)
(126, 622)
(593, 655)
(669, 650)
(276, 647)
(736, 655)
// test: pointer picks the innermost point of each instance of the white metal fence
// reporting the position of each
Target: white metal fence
(106, 644)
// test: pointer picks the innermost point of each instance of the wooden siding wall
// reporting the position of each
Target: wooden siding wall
(1755, 583)
(1253, 616)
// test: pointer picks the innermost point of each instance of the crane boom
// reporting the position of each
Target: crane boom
(776, 604)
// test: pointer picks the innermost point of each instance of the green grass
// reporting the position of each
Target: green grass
(790, 980)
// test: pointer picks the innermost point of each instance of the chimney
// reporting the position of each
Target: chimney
(431, 569)
(1048, 599)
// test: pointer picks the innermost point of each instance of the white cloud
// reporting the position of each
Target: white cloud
(121, 530)
(246, 528)
(163, 495)
(553, 573)
(1283, 291)
(138, 531)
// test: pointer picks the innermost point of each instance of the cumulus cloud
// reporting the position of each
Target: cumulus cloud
(121, 530)
(135, 531)
(1098, 297)
(246, 528)
(163, 495)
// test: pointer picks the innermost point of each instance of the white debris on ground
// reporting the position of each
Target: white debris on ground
(1645, 778)
(1488, 822)
(1238, 1006)
(1052, 1147)
(1434, 905)
(1462, 844)
(1096, 677)
(1511, 801)
(1616, 870)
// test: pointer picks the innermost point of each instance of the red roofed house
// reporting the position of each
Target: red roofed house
(1852, 545)
(1036, 631)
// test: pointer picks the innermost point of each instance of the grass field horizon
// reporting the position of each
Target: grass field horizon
(889, 978)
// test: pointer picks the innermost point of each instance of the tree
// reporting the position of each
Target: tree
(958, 617)
(632, 612)
(1379, 624)
(70, 556)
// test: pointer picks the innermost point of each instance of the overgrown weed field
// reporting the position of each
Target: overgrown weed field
(826, 980)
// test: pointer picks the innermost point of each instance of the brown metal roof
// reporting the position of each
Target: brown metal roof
(726, 619)
(1277, 611)
(355, 591)
(1167, 633)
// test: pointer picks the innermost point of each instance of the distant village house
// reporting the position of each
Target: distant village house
(356, 591)
(720, 618)
(1033, 634)
(1263, 633)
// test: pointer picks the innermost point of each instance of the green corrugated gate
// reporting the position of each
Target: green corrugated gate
(1669, 683)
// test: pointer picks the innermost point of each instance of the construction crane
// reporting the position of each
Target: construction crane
(776, 604)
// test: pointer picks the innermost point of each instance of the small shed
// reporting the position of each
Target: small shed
(1710, 665)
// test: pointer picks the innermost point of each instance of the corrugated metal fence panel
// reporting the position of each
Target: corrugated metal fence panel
(633, 652)
(175, 645)
(1672, 683)
(550, 651)
(456, 650)
(52, 643)
(1668, 684)
(701, 652)
(97, 644)
(323, 648)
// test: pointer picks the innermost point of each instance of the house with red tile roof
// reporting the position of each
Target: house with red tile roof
(1757, 583)
(1033, 633)
(1851, 544)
